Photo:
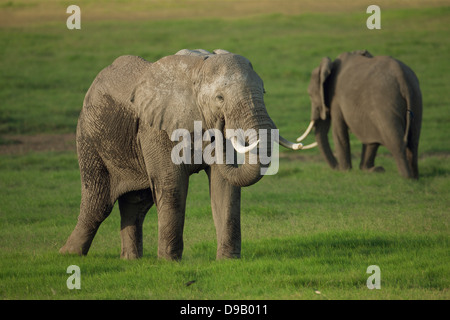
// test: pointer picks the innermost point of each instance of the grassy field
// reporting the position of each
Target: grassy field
(308, 232)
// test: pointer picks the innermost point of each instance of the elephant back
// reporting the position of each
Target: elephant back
(117, 81)
(201, 52)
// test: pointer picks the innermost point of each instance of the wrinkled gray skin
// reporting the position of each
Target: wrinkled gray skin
(378, 99)
(124, 146)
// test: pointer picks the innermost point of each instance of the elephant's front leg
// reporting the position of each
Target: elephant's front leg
(226, 209)
(169, 185)
(171, 205)
(341, 140)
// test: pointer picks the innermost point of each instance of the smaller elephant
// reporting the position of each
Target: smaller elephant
(377, 98)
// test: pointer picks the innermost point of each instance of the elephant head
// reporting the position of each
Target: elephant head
(229, 95)
(320, 110)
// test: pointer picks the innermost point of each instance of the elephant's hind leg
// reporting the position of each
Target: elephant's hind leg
(369, 151)
(133, 208)
(412, 150)
(412, 156)
(93, 211)
(95, 203)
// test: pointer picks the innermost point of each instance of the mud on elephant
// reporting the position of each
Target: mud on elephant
(378, 99)
(124, 146)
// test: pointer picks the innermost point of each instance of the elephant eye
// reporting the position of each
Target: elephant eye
(220, 98)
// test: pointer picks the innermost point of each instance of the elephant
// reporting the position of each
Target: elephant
(125, 146)
(378, 99)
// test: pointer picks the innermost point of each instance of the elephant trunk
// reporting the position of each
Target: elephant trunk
(251, 123)
(243, 175)
(321, 130)
(259, 122)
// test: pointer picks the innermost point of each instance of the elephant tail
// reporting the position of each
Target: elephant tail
(413, 101)
(410, 90)
(409, 119)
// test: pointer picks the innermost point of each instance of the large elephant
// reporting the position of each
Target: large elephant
(377, 98)
(125, 149)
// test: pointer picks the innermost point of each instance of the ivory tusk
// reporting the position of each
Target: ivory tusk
(310, 146)
(287, 144)
(241, 148)
(308, 130)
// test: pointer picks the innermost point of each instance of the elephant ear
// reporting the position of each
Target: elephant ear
(165, 95)
(324, 71)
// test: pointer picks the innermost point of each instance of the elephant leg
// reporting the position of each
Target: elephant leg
(169, 186)
(412, 156)
(341, 141)
(171, 206)
(133, 207)
(402, 163)
(399, 150)
(369, 151)
(393, 138)
(412, 150)
(226, 209)
(95, 205)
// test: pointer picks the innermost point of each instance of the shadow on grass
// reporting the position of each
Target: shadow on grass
(434, 165)
(329, 247)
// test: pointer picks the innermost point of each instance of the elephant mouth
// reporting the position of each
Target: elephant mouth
(239, 144)
(243, 142)
(249, 169)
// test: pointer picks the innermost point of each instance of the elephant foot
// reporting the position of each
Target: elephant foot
(377, 169)
(131, 252)
(170, 254)
(169, 257)
(373, 169)
(130, 256)
(234, 255)
(72, 248)
(79, 242)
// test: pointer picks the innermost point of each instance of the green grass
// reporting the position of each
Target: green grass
(306, 228)
(317, 230)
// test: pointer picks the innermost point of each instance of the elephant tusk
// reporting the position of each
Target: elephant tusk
(310, 146)
(240, 148)
(308, 130)
(287, 144)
